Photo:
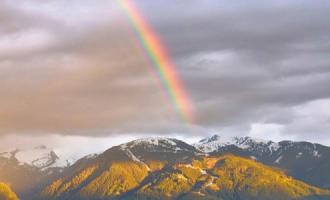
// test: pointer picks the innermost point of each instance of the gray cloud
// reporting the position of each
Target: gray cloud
(249, 64)
(68, 80)
(80, 71)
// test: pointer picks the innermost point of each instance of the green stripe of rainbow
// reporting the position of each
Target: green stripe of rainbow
(161, 62)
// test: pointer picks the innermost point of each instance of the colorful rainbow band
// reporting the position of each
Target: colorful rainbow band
(161, 62)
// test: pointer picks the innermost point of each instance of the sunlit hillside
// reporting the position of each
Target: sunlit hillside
(225, 177)
(6, 193)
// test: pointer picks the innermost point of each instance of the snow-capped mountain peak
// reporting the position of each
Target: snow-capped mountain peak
(40, 157)
(215, 142)
(262, 150)
(152, 141)
(155, 148)
(158, 144)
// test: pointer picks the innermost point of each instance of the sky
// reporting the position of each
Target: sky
(71, 72)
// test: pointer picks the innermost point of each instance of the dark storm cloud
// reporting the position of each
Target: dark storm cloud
(243, 63)
(248, 63)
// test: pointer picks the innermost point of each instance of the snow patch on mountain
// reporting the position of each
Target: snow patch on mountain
(316, 154)
(253, 158)
(6, 155)
(130, 154)
(299, 155)
(153, 141)
(92, 156)
(278, 160)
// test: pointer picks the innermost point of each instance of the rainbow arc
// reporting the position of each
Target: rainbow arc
(161, 63)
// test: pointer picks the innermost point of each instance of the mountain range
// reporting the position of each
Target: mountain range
(239, 168)
(305, 161)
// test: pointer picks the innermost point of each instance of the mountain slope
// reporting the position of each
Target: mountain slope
(226, 177)
(118, 169)
(158, 168)
(6, 193)
(304, 161)
(29, 169)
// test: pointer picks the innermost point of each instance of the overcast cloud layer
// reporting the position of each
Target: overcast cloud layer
(75, 68)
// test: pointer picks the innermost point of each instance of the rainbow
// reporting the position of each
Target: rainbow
(162, 65)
